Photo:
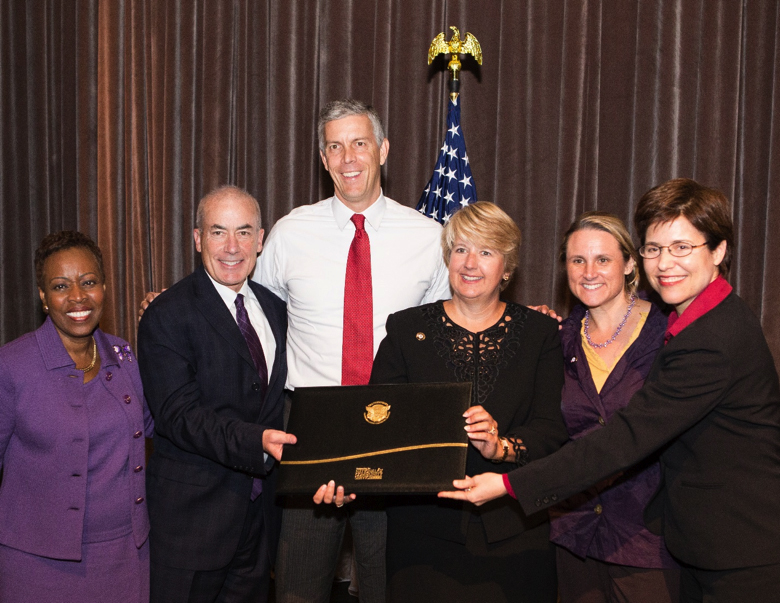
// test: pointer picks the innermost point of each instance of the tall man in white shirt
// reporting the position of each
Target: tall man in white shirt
(305, 262)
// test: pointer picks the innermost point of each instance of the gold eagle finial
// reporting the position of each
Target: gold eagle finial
(454, 47)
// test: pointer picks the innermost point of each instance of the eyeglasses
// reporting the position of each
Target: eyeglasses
(678, 250)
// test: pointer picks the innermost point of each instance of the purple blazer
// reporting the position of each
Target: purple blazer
(44, 441)
(606, 523)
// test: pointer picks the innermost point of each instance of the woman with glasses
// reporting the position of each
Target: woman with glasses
(609, 342)
(710, 405)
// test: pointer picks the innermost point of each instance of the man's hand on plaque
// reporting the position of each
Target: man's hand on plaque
(330, 494)
(275, 440)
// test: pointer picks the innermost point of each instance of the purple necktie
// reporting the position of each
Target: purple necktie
(258, 357)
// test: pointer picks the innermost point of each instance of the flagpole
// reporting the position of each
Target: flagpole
(451, 186)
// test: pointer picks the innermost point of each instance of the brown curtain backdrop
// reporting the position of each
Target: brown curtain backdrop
(116, 116)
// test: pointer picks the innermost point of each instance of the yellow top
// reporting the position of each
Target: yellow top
(598, 368)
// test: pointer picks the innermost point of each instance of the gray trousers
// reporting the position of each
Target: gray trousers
(309, 548)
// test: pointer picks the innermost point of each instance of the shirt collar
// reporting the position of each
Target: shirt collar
(713, 294)
(373, 214)
(228, 295)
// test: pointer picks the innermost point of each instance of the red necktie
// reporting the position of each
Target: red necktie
(357, 350)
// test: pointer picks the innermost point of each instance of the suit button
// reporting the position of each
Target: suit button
(554, 497)
(602, 421)
(109, 376)
(545, 500)
(255, 387)
(139, 500)
(137, 434)
(538, 503)
(128, 399)
(138, 469)
(598, 509)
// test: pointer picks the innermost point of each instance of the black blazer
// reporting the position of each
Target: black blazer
(203, 390)
(519, 385)
(711, 403)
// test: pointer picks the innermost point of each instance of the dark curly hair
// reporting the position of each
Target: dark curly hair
(59, 241)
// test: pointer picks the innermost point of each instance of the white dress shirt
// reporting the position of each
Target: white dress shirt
(304, 262)
(256, 317)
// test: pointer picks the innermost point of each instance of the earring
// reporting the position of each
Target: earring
(46, 308)
(506, 277)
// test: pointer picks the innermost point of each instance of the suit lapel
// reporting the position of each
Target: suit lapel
(214, 310)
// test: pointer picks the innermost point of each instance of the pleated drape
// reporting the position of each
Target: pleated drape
(116, 116)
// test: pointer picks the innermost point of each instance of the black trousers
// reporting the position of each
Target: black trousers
(245, 578)
(745, 585)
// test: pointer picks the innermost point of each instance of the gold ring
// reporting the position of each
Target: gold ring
(338, 506)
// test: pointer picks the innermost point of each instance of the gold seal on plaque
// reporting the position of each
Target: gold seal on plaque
(377, 412)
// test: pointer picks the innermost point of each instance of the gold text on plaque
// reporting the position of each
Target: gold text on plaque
(377, 412)
(368, 473)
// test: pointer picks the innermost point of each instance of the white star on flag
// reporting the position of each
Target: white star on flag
(446, 190)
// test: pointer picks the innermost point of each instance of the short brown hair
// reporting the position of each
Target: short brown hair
(707, 209)
(348, 107)
(59, 241)
(611, 224)
(487, 224)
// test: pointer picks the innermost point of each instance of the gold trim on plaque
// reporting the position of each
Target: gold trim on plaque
(376, 453)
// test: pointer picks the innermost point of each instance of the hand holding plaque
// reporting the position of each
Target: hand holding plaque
(331, 494)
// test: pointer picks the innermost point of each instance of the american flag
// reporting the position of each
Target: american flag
(451, 186)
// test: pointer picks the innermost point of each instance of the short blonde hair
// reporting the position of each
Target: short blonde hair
(611, 224)
(484, 223)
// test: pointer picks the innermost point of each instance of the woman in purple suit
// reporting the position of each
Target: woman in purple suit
(73, 518)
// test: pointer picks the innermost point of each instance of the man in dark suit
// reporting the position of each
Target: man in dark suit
(212, 359)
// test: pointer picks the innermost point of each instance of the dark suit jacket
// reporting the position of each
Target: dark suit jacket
(203, 390)
(712, 403)
(519, 384)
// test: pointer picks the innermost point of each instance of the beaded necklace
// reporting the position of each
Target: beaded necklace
(631, 302)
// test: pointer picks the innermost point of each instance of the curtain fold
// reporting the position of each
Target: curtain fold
(117, 116)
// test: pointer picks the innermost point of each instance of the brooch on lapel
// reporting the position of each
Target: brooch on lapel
(123, 352)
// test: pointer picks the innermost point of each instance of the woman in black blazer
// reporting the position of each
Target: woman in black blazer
(711, 404)
(444, 551)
